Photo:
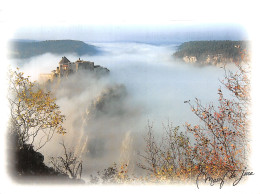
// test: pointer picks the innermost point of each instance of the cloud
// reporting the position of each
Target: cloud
(104, 115)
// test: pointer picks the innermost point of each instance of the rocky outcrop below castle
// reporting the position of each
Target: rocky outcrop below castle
(212, 52)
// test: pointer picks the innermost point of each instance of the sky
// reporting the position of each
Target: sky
(133, 20)
(153, 33)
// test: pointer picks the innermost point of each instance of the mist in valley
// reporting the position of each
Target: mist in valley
(107, 117)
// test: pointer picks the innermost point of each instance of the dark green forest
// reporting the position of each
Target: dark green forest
(27, 49)
(201, 49)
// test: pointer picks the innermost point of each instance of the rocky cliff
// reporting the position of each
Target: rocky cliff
(27, 166)
(217, 60)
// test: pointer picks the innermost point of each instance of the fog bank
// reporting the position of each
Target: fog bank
(106, 118)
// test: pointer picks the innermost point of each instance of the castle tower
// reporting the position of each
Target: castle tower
(64, 60)
(63, 66)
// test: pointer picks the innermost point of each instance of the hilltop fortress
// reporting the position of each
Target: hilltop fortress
(67, 68)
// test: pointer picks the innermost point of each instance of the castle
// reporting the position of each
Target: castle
(66, 68)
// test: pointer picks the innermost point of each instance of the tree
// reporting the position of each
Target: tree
(219, 144)
(114, 174)
(34, 114)
(67, 164)
(221, 141)
(170, 160)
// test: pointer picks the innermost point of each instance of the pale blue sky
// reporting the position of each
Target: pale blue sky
(156, 33)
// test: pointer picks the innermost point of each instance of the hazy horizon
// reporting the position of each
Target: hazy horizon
(165, 33)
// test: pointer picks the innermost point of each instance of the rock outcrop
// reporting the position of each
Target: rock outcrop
(217, 60)
(27, 166)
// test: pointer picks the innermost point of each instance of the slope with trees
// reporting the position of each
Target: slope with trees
(211, 52)
(27, 49)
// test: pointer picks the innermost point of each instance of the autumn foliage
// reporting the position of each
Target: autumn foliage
(221, 141)
(35, 116)
(169, 160)
(217, 145)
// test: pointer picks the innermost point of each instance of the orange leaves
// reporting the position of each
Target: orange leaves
(217, 115)
(233, 146)
(204, 115)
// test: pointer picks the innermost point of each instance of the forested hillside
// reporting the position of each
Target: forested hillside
(27, 49)
(211, 51)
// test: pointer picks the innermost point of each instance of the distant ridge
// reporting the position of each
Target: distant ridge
(214, 52)
(26, 49)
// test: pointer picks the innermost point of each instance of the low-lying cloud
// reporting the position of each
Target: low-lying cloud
(106, 117)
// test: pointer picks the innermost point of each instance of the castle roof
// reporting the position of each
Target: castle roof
(64, 60)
